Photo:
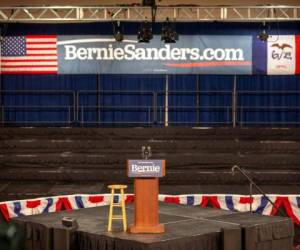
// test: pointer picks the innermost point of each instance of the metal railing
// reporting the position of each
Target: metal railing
(244, 111)
(148, 109)
(14, 111)
(36, 114)
(108, 114)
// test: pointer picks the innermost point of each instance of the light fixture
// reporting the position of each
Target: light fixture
(168, 33)
(145, 33)
(263, 36)
(118, 34)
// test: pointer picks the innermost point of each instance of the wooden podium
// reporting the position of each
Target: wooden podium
(146, 190)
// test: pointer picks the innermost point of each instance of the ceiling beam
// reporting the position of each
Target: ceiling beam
(62, 14)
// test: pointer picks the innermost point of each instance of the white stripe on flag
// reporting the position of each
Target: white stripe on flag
(29, 57)
(51, 40)
(27, 63)
(36, 46)
(36, 52)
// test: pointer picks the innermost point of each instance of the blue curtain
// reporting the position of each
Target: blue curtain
(216, 99)
(268, 100)
(192, 99)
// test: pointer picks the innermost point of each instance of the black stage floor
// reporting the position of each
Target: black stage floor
(187, 227)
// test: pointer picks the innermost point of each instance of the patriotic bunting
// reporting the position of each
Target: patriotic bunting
(239, 203)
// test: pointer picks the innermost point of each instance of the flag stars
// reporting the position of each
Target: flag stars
(13, 46)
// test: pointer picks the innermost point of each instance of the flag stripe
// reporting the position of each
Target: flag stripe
(40, 36)
(29, 61)
(29, 58)
(41, 42)
(38, 68)
(297, 43)
(30, 72)
(44, 51)
(37, 40)
(27, 64)
(39, 46)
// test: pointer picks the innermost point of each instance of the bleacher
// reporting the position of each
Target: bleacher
(51, 161)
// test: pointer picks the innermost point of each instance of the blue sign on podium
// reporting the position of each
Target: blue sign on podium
(146, 168)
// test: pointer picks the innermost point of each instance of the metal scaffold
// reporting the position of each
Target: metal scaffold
(140, 13)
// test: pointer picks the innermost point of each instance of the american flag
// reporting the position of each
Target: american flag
(30, 54)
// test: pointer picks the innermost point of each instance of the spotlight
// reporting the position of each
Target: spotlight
(118, 35)
(168, 33)
(145, 33)
(263, 36)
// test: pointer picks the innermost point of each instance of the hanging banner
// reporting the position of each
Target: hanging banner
(193, 54)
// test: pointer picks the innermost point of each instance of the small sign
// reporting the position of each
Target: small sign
(146, 168)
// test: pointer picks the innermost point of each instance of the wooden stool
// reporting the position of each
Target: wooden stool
(121, 204)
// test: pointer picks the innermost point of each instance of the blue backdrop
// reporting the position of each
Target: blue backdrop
(192, 99)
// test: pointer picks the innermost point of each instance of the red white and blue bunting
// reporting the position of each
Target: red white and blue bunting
(240, 203)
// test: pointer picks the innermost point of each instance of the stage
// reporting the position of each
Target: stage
(187, 227)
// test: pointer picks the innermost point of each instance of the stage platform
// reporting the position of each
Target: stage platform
(187, 227)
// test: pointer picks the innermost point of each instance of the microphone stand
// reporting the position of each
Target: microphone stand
(252, 183)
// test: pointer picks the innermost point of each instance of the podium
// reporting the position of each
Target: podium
(146, 189)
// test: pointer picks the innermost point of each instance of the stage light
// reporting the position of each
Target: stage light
(145, 33)
(168, 33)
(263, 36)
(118, 34)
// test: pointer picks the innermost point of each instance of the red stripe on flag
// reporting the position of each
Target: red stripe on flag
(41, 49)
(30, 60)
(27, 66)
(28, 72)
(41, 42)
(40, 36)
(297, 42)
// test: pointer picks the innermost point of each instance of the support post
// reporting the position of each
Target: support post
(167, 102)
(234, 102)
(98, 101)
(198, 101)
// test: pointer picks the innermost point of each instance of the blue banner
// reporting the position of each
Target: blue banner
(190, 55)
(52, 54)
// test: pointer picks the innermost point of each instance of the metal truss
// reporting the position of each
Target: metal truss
(61, 14)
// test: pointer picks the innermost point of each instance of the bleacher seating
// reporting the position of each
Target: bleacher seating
(50, 161)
